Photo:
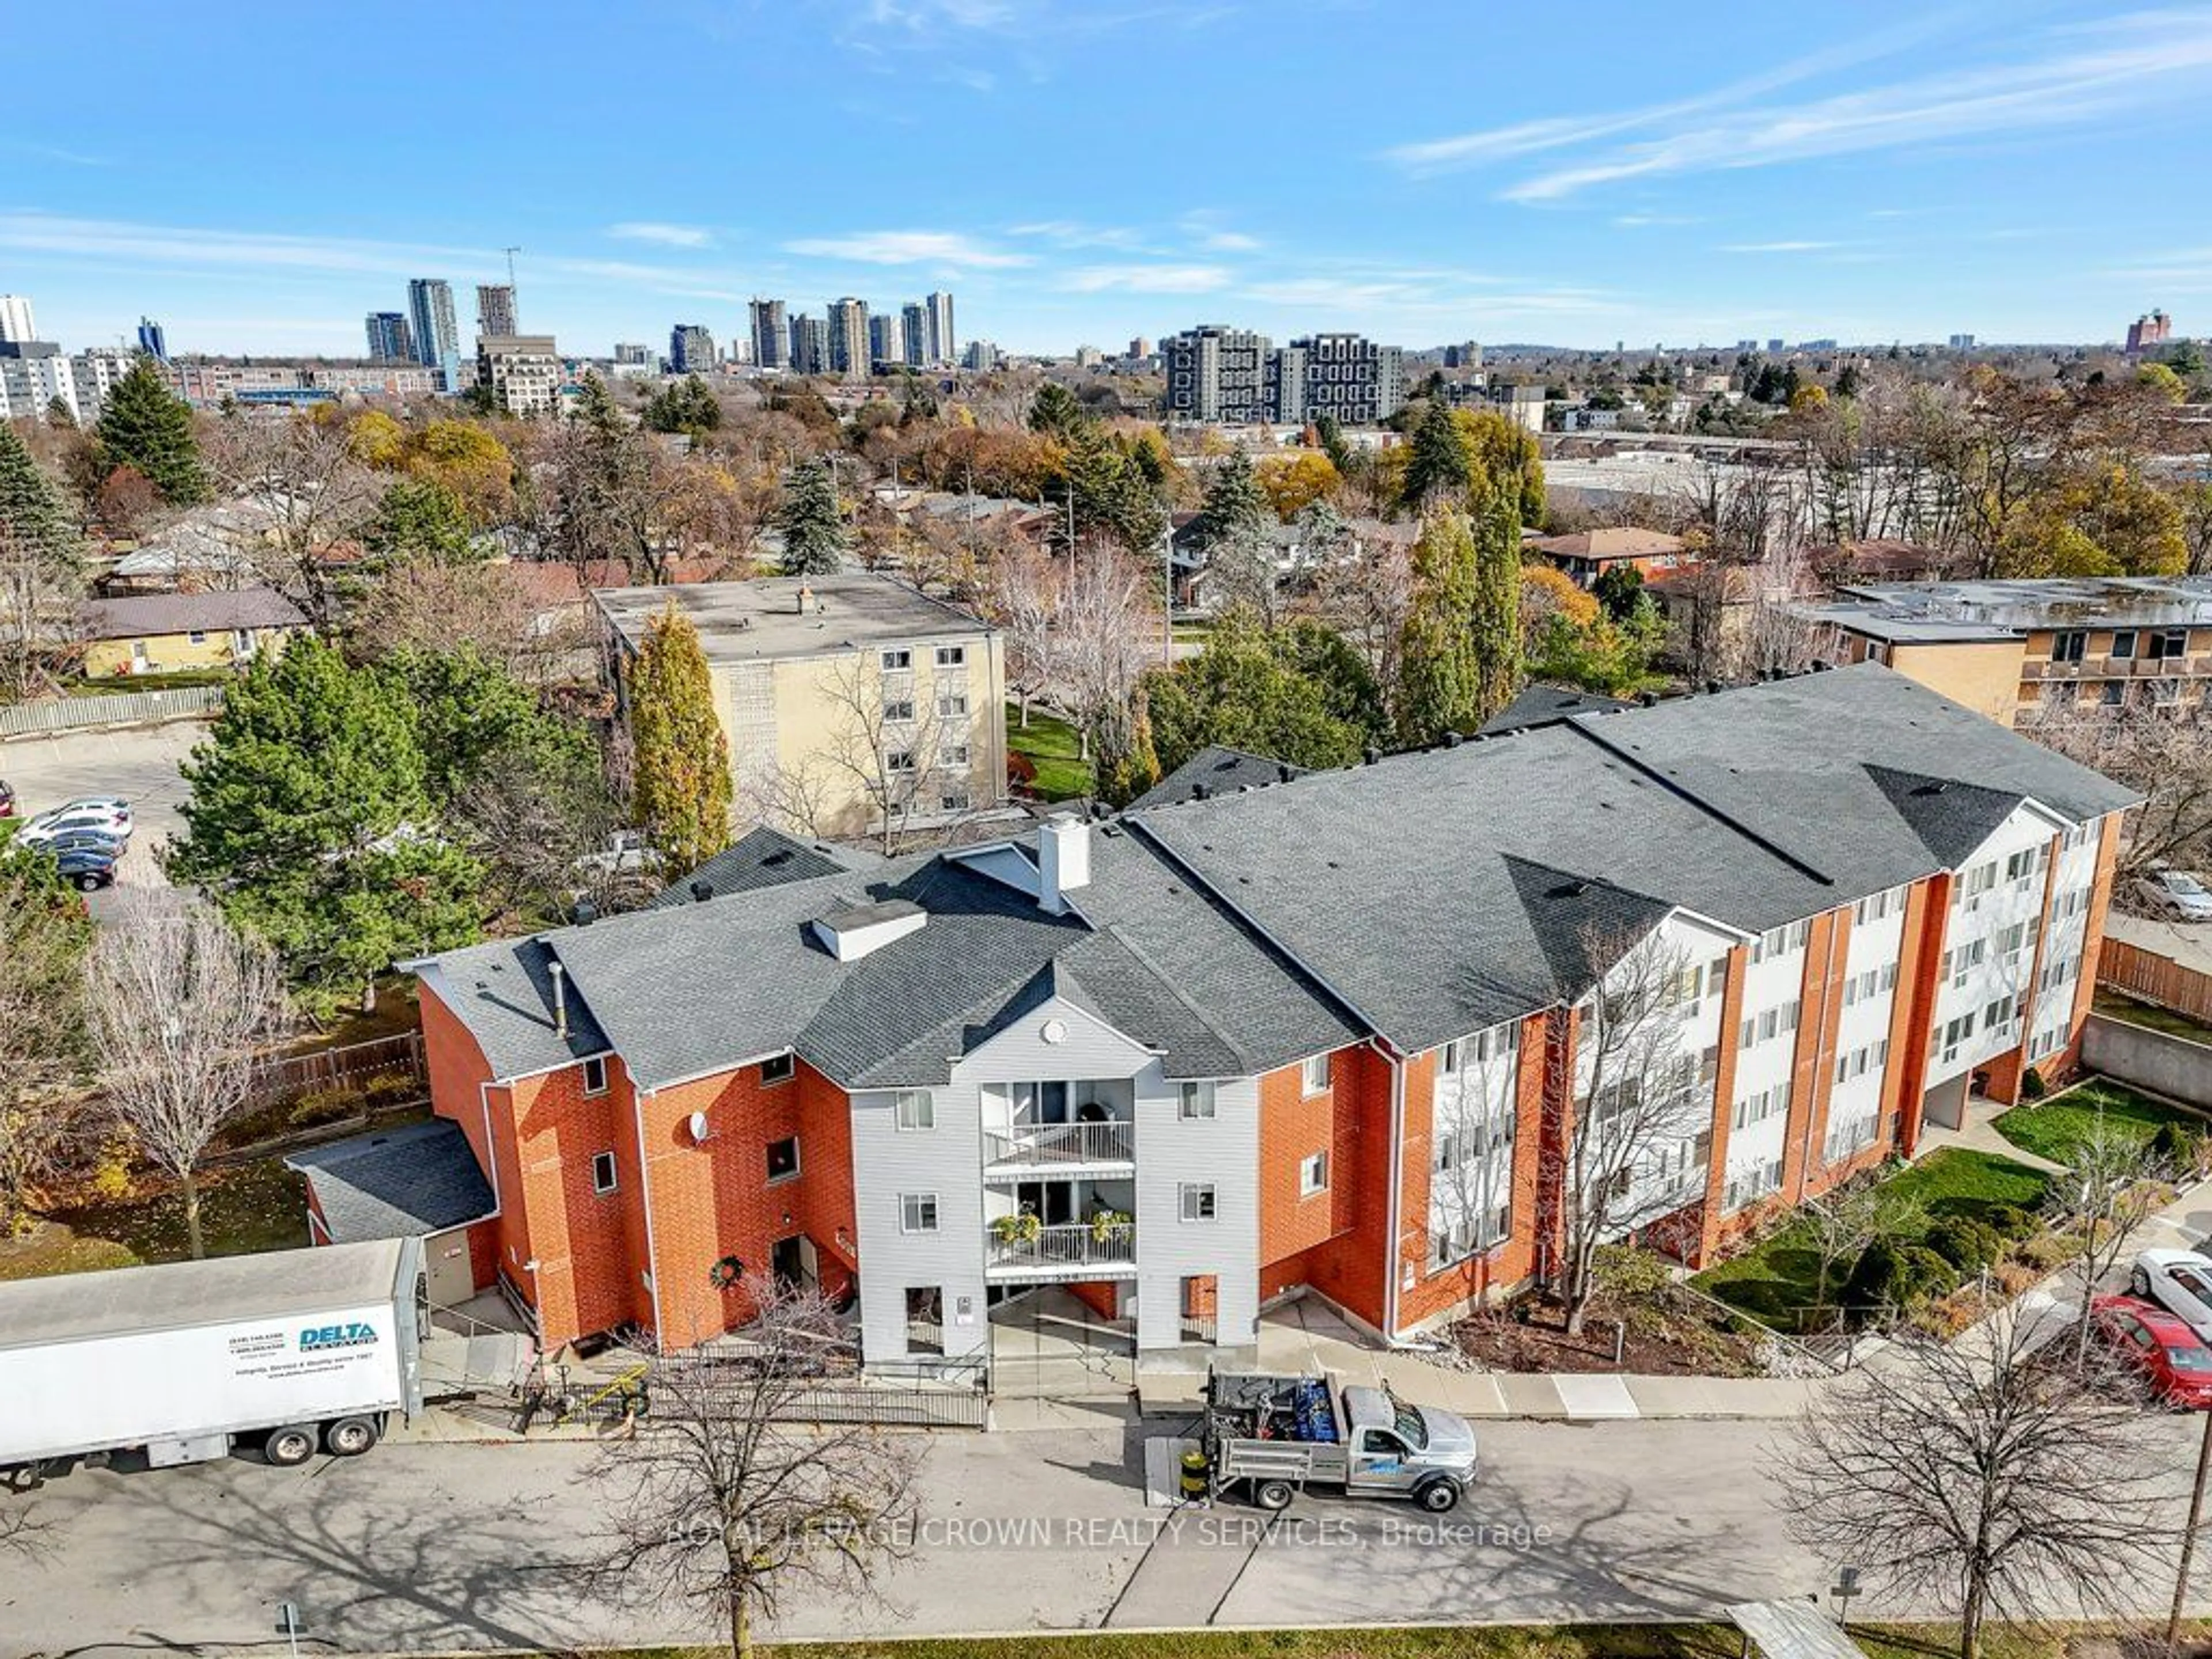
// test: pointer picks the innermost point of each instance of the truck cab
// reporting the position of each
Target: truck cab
(1398, 1449)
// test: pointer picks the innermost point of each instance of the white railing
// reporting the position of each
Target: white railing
(1033, 1146)
(1068, 1247)
(120, 708)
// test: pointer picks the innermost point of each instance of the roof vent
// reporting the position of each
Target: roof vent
(1453, 739)
(584, 912)
(1199, 792)
(1063, 860)
(1372, 755)
(853, 930)
(1647, 699)
(1821, 664)
(1712, 688)
(702, 891)
(1284, 771)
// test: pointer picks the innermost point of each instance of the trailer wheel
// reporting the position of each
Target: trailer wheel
(289, 1448)
(349, 1436)
(1273, 1494)
(1437, 1496)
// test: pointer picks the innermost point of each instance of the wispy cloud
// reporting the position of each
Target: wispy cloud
(667, 236)
(68, 158)
(1146, 279)
(1782, 247)
(908, 247)
(1204, 225)
(2081, 74)
(1074, 234)
(1646, 221)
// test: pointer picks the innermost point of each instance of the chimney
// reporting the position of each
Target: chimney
(805, 597)
(585, 913)
(1063, 862)
(560, 1000)
(702, 891)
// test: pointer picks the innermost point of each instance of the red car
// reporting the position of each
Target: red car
(2173, 1359)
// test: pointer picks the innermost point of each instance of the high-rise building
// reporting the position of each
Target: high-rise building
(691, 348)
(437, 336)
(1467, 354)
(1218, 373)
(1139, 348)
(390, 339)
(913, 321)
(944, 343)
(2143, 333)
(15, 324)
(632, 355)
(1286, 382)
(848, 336)
(495, 310)
(982, 356)
(771, 334)
(1962, 342)
(152, 340)
(810, 345)
(1349, 377)
(887, 340)
(521, 372)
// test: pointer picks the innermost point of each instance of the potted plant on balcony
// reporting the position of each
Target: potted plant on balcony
(1020, 1228)
(1106, 1225)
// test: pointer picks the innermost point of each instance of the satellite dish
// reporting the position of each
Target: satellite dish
(699, 1129)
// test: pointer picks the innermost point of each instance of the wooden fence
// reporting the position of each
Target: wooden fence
(2155, 978)
(28, 720)
(352, 1067)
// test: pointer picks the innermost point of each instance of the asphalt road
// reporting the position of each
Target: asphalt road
(139, 764)
(438, 1547)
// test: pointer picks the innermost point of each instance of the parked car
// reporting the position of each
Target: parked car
(2175, 894)
(110, 809)
(50, 832)
(2173, 1359)
(2180, 1281)
(7, 800)
(81, 840)
(88, 869)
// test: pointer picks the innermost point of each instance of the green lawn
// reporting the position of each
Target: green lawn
(2056, 1128)
(1053, 748)
(183, 679)
(1776, 1281)
(2152, 1017)
(260, 1206)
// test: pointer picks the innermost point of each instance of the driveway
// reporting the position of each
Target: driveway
(140, 765)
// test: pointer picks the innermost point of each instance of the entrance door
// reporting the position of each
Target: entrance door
(1053, 1202)
(787, 1260)
(453, 1279)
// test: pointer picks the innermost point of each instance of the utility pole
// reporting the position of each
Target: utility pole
(2189, 1536)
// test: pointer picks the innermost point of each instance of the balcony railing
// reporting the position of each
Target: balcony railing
(1071, 1249)
(1046, 1146)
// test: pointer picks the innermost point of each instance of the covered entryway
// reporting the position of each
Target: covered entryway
(1944, 1106)
(1049, 1343)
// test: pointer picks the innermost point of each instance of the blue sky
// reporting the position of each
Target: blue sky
(259, 175)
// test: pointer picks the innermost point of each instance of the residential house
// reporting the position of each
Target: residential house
(1589, 554)
(176, 633)
(1328, 1036)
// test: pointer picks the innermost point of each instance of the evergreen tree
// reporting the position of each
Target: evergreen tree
(32, 518)
(1250, 688)
(141, 426)
(1057, 413)
(1438, 467)
(813, 528)
(687, 405)
(1235, 504)
(1497, 619)
(1619, 589)
(1439, 676)
(680, 759)
(60, 415)
(422, 521)
(311, 823)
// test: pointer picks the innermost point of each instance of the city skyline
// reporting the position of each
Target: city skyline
(1884, 173)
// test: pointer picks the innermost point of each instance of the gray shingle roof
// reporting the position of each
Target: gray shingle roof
(764, 857)
(1218, 771)
(218, 612)
(1547, 705)
(503, 994)
(396, 1183)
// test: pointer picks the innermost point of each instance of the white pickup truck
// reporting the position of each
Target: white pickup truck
(1278, 1435)
(285, 1352)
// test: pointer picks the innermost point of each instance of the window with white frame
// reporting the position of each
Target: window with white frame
(897, 660)
(595, 1075)
(915, 1108)
(952, 705)
(899, 760)
(778, 1068)
(952, 754)
(951, 656)
(1752, 1184)
(917, 1213)
(1195, 1100)
(1314, 1074)
(898, 711)
(955, 800)
(1313, 1174)
(603, 1172)
(1197, 1200)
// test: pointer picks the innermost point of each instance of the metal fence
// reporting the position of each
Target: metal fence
(26, 719)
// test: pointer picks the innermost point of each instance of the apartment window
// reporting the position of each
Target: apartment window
(2068, 646)
(2124, 645)
(783, 1158)
(1197, 1200)
(778, 1068)
(952, 705)
(899, 760)
(595, 1075)
(898, 710)
(953, 754)
(951, 656)
(915, 1109)
(955, 800)
(1196, 1101)
(2168, 644)
(1747, 1033)
(1315, 1074)
(1313, 1174)
(897, 661)
(917, 1213)
(1686, 985)
(603, 1172)
(1452, 1060)
(197, 636)
(2113, 694)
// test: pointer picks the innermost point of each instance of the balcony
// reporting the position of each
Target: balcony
(1059, 1149)
(1077, 1249)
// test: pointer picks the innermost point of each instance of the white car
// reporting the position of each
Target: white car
(2180, 1281)
(2176, 895)
(51, 826)
(106, 813)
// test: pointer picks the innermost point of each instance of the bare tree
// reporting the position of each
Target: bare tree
(1106, 623)
(1636, 1133)
(2164, 757)
(39, 596)
(1365, 591)
(1840, 1223)
(2113, 1186)
(179, 1005)
(896, 743)
(440, 609)
(1471, 1136)
(1024, 600)
(1971, 1475)
(725, 1504)
(1778, 635)
(309, 488)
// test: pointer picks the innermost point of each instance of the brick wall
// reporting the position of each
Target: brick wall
(1335, 1241)
(1927, 914)
(458, 1074)
(1716, 1227)
(1812, 1071)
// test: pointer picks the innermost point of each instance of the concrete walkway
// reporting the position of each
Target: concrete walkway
(1981, 1135)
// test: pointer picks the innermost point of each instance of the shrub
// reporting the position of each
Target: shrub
(2051, 1251)
(2031, 1086)
(1893, 1276)
(388, 1086)
(1967, 1244)
(2011, 1221)
(2178, 1147)
(1020, 768)
(320, 1106)
(1626, 1274)
(111, 1175)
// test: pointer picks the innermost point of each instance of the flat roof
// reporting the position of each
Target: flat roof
(272, 1285)
(762, 619)
(2049, 601)
(1897, 626)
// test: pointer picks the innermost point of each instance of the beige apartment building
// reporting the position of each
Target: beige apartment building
(2012, 649)
(849, 701)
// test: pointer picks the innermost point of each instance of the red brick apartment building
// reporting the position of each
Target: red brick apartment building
(1266, 1034)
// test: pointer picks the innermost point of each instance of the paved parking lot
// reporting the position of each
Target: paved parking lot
(139, 764)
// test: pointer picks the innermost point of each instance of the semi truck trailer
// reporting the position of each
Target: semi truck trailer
(1277, 1435)
(285, 1352)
